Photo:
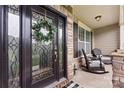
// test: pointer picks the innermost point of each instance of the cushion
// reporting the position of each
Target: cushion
(95, 63)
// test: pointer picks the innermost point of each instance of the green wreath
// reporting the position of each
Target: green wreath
(39, 35)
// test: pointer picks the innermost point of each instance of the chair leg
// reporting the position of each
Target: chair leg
(105, 70)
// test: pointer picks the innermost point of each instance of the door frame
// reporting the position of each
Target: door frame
(3, 46)
(25, 48)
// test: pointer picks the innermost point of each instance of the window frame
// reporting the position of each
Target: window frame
(84, 41)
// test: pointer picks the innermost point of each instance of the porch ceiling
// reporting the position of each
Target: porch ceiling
(86, 13)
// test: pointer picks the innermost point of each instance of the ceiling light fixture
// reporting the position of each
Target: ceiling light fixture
(98, 18)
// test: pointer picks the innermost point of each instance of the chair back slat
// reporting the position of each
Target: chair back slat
(86, 59)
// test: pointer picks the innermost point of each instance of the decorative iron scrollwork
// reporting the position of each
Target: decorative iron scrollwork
(45, 63)
(42, 55)
(13, 47)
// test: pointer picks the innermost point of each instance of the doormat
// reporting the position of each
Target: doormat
(71, 84)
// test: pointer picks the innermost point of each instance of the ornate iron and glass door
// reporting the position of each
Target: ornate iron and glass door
(42, 52)
(24, 61)
(47, 56)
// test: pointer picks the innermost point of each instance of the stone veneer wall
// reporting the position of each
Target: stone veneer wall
(118, 70)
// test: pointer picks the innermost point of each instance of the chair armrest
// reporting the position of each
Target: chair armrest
(94, 58)
(101, 55)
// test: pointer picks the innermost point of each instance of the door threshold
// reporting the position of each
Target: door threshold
(54, 84)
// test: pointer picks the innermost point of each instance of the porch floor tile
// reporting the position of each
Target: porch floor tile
(90, 80)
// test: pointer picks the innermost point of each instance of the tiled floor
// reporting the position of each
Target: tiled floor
(90, 80)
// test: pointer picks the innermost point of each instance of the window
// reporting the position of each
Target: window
(81, 34)
(75, 39)
(88, 42)
(13, 45)
(84, 41)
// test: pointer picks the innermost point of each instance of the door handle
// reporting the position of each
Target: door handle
(55, 55)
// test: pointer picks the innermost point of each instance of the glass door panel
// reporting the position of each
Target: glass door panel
(61, 47)
(42, 53)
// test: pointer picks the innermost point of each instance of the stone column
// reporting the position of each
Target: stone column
(118, 70)
(121, 23)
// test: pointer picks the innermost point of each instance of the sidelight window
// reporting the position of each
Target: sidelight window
(13, 45)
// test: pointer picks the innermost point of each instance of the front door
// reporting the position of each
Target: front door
(46, 55)
(43, 52)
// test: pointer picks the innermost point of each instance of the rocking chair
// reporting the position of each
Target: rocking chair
(97, 54)
(94, 65)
